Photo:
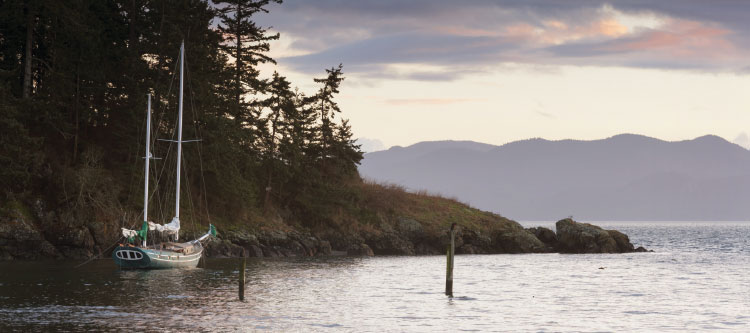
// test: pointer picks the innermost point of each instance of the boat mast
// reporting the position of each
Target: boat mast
(148, 157)
(179, 139)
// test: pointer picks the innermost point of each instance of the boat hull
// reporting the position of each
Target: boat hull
(133, 257)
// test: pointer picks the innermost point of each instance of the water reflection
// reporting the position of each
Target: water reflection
(695, 281)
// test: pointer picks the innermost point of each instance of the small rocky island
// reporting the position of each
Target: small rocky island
(574, 237)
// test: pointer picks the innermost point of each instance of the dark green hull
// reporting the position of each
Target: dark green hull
(133, 257)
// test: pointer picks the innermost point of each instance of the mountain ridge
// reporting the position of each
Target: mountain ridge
(623, 177)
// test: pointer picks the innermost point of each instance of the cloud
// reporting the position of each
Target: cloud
(473, 36)
(414, 48)
(370, 145)
(681, 38)
(743, 140)
(678, 44)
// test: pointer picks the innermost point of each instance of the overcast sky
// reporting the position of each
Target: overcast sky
(500, 71)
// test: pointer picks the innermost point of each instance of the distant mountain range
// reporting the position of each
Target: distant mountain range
(625, 177)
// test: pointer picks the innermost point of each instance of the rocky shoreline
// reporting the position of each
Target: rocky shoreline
(30, 234)
(410, 239)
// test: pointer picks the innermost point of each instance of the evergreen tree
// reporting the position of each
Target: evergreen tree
(279, 100)
(247, 44)
(326, 107)
(346, 152)
(73, 82)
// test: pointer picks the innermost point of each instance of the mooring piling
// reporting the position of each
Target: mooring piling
(449, 266)
(243, 263)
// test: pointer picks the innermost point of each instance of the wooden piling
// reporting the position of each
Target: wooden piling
(242, 277)
(449, 267)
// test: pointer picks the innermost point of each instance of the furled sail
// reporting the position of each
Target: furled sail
(130, 234)
(171, 228)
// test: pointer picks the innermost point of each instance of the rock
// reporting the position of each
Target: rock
(324, 248)
(275, 238)
(390, 244)
(622, 240)
(410, 229)
(546, 236)
(269, 251)
(467, 249)
(74, 237)
(216, 248)
(480, 242)
(19, 236)
(517, 241)
(241, 238)
(309, 244)
(295, 249)
(426, 247)
(360, 250)
(254, 251)
(574, 237)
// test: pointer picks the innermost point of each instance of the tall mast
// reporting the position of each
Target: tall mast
(179, 138)
(148, 157)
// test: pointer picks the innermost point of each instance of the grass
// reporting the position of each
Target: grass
(434, 212)
(364, 208)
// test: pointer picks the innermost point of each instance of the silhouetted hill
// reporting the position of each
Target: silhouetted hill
(625, 177)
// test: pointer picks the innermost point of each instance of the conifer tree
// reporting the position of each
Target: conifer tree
(326, 107)
(345, 149)
(279, 100)
(92, 63)
(247, 44)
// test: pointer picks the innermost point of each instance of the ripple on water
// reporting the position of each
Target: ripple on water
(697, 280)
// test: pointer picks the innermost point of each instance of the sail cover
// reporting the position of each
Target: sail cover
(129, 233)
(171, 228)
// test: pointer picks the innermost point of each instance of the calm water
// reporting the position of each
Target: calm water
(698, 279)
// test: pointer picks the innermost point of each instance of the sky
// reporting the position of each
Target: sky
(501, 71)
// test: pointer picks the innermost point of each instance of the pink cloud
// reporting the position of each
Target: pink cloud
(555, 32)
(682, 38)
(521, 32)
(606, 27)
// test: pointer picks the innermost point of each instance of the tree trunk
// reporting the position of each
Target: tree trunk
(29, 45)
(267, 199)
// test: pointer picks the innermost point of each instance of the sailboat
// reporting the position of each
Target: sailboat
(166, 254)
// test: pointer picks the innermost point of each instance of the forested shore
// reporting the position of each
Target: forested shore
(275, 169)
(74, 81)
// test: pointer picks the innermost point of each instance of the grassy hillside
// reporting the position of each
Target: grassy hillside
(385, 218)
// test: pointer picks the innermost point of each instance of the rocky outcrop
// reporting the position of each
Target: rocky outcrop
(517, 241)
(409, 237)
(360, 250)
(20, 238)
(473, 242)
(266, 244)
(546, 236)
(574, 237)
(390, 243)
(41, 233)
